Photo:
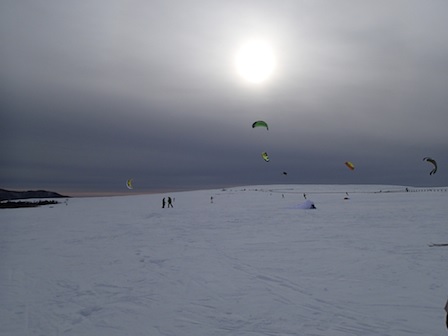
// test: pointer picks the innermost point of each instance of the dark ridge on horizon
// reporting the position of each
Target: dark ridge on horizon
(7, 195)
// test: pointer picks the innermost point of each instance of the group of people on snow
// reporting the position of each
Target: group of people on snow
(169, 201)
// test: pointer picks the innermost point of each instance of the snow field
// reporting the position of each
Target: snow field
(250, 263)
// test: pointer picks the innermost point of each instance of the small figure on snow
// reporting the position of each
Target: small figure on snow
(446, 309)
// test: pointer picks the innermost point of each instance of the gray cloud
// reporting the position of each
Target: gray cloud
(92, 94)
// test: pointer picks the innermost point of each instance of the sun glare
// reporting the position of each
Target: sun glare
(255, 61)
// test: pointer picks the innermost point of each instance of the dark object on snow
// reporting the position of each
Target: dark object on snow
(446, 309)
(307, 205)
(19, 204)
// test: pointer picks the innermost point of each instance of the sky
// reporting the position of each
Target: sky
(93, 93)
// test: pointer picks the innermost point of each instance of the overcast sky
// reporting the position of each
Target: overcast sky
(93, 93)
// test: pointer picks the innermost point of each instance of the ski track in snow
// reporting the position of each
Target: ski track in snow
(249, 264)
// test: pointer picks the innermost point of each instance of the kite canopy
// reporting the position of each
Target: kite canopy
(265, 156)
(129, 184)
(428, 159)
(350, 165)
(260, 123)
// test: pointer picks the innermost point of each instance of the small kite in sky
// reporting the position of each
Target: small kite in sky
(434, 164)
(350, 165)
(260, 123)
(265, 156)
(129, 184)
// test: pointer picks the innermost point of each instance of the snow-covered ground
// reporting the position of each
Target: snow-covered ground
(250, 263)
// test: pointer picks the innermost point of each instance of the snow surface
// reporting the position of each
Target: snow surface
(250, 263)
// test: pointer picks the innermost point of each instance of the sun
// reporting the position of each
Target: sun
(255, 61)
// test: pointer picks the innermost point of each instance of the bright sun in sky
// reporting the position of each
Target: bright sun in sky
(255, 61)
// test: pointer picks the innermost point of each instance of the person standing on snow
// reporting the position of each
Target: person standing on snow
(446, 309)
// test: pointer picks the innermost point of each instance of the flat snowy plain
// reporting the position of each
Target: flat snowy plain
(250, 263)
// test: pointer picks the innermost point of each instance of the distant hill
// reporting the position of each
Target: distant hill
(15, 195)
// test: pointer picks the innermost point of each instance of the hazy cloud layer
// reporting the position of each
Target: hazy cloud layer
(93, 93)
